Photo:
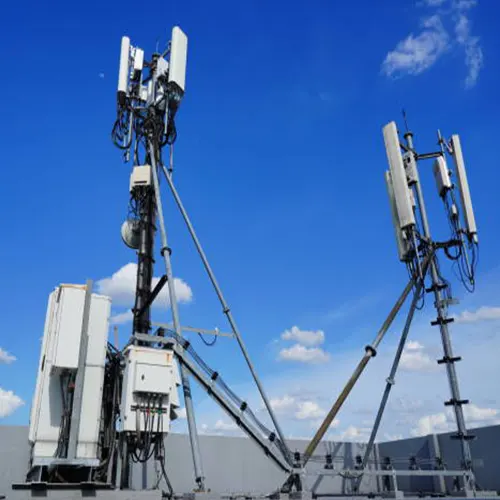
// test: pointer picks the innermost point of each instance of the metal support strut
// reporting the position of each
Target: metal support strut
(165, 251)
(370, 352)
(225, 306)
(392, 375)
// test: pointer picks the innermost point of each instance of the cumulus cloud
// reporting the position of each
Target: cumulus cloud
(121, 318)
(416, 359)
(120, 286)
(482, 314)
(220, 428)
(299, 409)
(309, 410)
(431, 424)
(283, 405)
(6, 357)
(301, 354)
(416, 53)
(304, 337)
(9, 403)
(445, 421)
(353, 433)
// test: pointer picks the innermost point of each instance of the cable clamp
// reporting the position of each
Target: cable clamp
(371, 350)
(442, 321)
(456, 402)
(165, 249)
(448, 359)
(461, 435)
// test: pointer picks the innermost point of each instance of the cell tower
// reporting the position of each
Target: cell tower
(418, 250)
(149, 96)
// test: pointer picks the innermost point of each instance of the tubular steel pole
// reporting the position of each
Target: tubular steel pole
(225, 306)
(165, 251)
(395, 364)
(370, 352)
(443, 320)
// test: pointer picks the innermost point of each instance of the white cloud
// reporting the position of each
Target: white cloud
(282, 405)
(445, 421)
(415, 54)
(9, 403)
(435, 3)
(120, 286)
(301, 354)
(353, 433)
(304, 337)
(221, 425)
(476, 414)
(482, 314)
(121, 318)
(309, 410)
(416, 359)
(473, 51)
(431, 424)
(6, 357)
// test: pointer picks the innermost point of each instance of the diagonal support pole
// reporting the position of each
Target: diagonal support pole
(390, 381)
(165, 251)
(370, 352)
(225, 306)
(394, 368)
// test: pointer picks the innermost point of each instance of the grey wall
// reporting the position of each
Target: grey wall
(237, 465)
(485, 452)
(231, 464)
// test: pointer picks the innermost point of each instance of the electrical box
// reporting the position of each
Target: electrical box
(161, 68)
(442, 176)
(410, 168)
(403, 247)
(140, 177)
(463, 186)
(58, 357)
(401, 190)
(138, 62)
(150, 386)
(178, 59)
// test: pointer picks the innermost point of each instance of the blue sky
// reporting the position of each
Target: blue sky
(280, 162)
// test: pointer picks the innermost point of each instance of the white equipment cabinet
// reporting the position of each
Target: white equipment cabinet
(149, 389)
(59, 353)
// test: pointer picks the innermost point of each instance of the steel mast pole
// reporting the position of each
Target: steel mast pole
(442, 321)
(165, 252)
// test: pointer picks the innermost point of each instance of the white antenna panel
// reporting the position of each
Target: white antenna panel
(138, 60)
(463, 186)
(400, 240)
(178, 58)
(398, 176)
(442, 176)
(124, 68)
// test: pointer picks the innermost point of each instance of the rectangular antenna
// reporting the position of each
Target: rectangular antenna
(403, 247)
(178, 58)
(463, 186)
(442, 176)
(398, 176)
(124, 69)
